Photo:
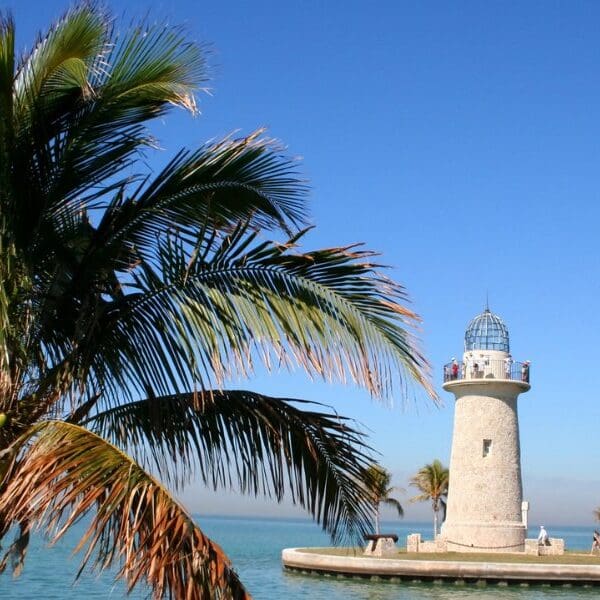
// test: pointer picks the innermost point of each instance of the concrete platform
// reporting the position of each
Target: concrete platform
(298, 559)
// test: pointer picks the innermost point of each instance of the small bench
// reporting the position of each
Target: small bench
(380, 543)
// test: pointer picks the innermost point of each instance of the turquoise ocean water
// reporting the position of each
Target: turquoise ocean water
(255, 546)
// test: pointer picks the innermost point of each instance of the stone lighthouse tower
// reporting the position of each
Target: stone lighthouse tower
(484, 512)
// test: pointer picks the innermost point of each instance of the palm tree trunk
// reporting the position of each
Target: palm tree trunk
(435, 504)
(377, 519)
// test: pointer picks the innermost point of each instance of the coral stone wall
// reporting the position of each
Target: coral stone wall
(485, 491)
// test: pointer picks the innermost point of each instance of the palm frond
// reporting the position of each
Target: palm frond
(203, 315)
(66, 472)
(82, 98)
(17, 550)
(377, 479)
(420, 498)
(259, 444)
(7, 66)
(432, 480)
(148, 70)
(331, 311)
(51, 87)
(151, 65)
(394, 504)
(7, 262)
(60, 61)
(219, 185)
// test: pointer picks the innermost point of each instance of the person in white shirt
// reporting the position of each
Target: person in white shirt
(507, 366)
(595, 542)
(543, 539)
(525, 372)
(468, 366)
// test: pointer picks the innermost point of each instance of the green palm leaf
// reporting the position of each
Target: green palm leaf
(60, 60)
(328, 310)
(81, 101)
(65, 472)
(204, 312)
(7, 66)
(395, 504)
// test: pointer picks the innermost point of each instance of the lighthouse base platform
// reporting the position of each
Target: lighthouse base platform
(336, 562)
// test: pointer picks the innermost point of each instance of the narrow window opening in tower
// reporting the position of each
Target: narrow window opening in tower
(487, 447)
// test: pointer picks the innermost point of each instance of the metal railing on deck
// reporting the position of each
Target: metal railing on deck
(487, 369)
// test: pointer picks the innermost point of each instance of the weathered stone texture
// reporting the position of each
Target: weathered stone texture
(555, 547)
(382, 547)
(485, 492)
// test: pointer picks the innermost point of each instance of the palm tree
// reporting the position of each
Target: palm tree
(432, 482)
(128, 299)
(378, 481)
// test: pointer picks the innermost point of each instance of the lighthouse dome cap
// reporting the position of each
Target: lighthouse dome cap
(487, 331)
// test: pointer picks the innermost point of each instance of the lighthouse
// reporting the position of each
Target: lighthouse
(485, 494)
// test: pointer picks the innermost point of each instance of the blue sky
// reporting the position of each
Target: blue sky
(462, 141)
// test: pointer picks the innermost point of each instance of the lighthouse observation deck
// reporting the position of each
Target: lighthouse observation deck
(487, 368)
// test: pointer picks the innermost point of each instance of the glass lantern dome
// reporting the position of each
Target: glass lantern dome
(487, 331)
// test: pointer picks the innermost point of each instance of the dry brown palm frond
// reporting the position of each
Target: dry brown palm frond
(66, 472)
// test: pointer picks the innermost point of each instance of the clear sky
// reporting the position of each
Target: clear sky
(462, 141)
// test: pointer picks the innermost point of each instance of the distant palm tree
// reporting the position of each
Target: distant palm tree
(378, 480)
(597, 514)
(432, 481)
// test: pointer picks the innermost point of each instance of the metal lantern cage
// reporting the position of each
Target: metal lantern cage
(487, 331)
